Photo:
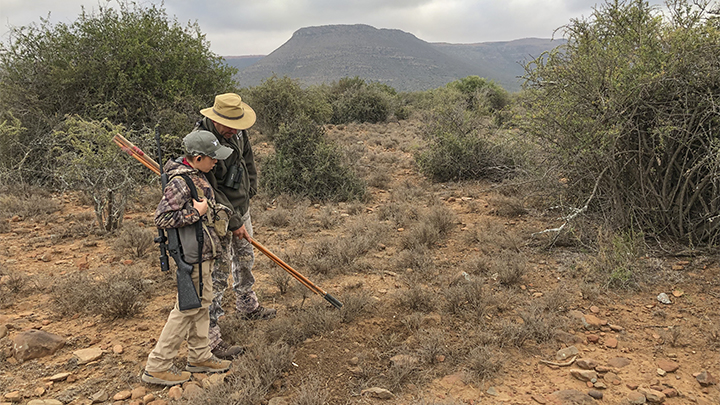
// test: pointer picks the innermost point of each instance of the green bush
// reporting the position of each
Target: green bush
(131, 65)
(481, 94)
(355, 101)
(279, 101)
(628, 109)
(307, 164)
(457, 149)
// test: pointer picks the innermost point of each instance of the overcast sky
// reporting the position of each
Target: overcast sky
(257, 27)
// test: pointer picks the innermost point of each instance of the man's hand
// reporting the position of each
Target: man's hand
(201, 206)
(242, 233)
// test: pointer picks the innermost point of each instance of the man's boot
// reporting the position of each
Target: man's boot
(226, 352)
(172, 376)
(211, 365)
(260, 313)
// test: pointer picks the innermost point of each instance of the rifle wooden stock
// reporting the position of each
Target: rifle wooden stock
(138, 154)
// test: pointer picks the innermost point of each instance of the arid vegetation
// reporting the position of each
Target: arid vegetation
(468, 231)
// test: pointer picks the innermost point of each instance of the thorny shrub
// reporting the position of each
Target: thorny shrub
(136, 239)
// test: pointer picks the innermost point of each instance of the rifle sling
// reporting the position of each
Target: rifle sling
(198, 231)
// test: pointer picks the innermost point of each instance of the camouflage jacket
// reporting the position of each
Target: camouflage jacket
(176, 210)
(243, 158)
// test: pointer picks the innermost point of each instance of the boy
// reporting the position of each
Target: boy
(178, 209)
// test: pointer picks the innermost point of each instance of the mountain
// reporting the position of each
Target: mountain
(241, 62)
(325, 54)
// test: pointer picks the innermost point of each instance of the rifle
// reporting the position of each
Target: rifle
(138, 154)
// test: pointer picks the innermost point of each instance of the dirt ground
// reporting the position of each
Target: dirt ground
(406, 332)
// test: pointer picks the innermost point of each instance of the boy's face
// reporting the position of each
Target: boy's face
(204, 163)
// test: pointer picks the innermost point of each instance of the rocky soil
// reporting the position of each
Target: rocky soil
(555, 334)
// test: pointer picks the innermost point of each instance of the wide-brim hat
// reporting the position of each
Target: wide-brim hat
(202, 142)
(231, 111)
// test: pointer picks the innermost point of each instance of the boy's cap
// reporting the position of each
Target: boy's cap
(205, 143)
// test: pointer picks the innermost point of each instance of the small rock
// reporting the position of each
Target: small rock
(584, 375)
(611, 343)
(586, 364)
(706, 379)
(14, 396)
(592, 338)
(618, 362)
(612, 378)
(539, 399)
(138, 392)
(661, 372)
(574, 397)
(492, 391)
(566, 353)
(117, 349)
(663, 298)
(33, 344)
(148, 398)
(670, 392)
(600, 385)
(652, 395)
(668, 365)
(616, 328)
(58, 377)
(175, 393)
(378, 392)
(191, 391)
(636, 398)
(354, 361)
(403, 360)
(85, 356)
(595, 394)
(122, 395)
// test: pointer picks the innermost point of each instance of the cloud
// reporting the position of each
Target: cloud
(259, 27)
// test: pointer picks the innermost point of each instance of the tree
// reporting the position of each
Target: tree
(133, 66)
(630, 104)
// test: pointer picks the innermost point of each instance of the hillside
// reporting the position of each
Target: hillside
(324, 54)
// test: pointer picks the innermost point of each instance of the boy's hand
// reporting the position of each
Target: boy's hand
(201, 206)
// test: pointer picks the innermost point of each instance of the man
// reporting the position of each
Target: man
(177, 209)
(234, 181)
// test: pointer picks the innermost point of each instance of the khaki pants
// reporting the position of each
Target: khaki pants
(191, 325)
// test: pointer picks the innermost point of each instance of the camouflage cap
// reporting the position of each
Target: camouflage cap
(205, 143)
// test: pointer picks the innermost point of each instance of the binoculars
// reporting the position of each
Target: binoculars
(233, 178)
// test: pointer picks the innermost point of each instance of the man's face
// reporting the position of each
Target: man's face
(226, 132)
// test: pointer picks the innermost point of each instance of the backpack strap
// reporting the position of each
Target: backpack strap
(198, 230)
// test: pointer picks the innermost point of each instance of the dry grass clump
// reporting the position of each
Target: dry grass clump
(136, 239)
(338, 255)
(278, 218)
(281, 279)
(417, 298)
(507, 207)
(467, 299)
(311, 392)
(401, 374)
(29, 204)
(75, 226)
(483, 363)
(251, 376)
(416, 265)
(510, 267)
(302, 324)
(329, 218)
(112, 294)
(535, 325)
(379, 179)
(490, 236)
(355, 305)
(432, 344)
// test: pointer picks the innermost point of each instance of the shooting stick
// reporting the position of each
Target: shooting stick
(138, 154)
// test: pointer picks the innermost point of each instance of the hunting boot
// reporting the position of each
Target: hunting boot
(226, 352)
(172, 376)
(211, 365)
(260, 313)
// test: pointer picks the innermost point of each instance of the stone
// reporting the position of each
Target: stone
(539, 399)
(592, 322)
(117, 349)
(663, 298)
(138, 393)
(586, 364)
(34, 344)
(492, 391)
(636, 398)
(148, 398)
(3, 331)
(59, 377)
(595, 394)
(377, 392)
(14, 396)
(191, 391)
(572, 397)
(661, 372)
(566, 353)
(611, 343)
(158, 402)
(652, 396)
(706, 379)
(88, 355)
(668, 365)
(592, 338)
(122, 395)
(618, 362)
(584, 375)
(670, 392)
(213, 380)
(279, 401)
(175, 393)
(612, 378)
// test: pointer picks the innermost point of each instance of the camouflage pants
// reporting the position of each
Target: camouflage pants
(238, 258)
